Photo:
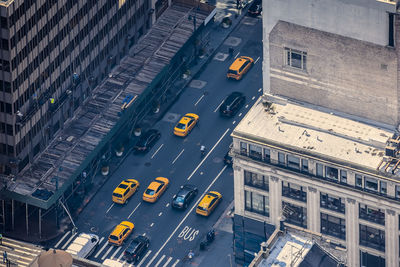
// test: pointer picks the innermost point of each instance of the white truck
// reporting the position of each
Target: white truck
(83, 245)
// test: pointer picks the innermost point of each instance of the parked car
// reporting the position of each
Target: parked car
(208, 203)
(240, 67)
(120, 233)
(185, 195)
(84, 245)
(134, 252)
(232, 104)
(155, 189)
(124, 191)
(147, 140)
(186, 124)
(255, 8)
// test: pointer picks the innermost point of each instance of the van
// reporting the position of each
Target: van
(239, 67)
(83, 245)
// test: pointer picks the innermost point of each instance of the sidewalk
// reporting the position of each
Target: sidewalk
(220, 251)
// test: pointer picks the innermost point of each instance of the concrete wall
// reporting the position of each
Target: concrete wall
(348, 75)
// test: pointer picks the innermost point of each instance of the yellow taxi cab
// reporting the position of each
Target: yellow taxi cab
(120, 233)
(155, 189)
(239, 67)
(124, 191)
(186, 124)
(208, 203)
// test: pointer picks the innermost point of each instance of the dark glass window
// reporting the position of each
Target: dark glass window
(331, 173)
(255, 151)
(267, 155)
(383, 187)
(304, 165)
(372, 214)
(397, 192)
(320, 170)
(294, 191)
(293, 162)
(359, 181)
(370, 260)
(256, 180)
(294, 214)
(343, 176)
(281, 158)
(332, 203)
(243, 148)
(257, 203)
(372, 237)
(371, 184)
(296, 59)
(334, 226)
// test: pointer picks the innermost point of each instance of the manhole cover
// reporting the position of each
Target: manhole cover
(232, 41)
(147, 164)
(217, 160)
(171, 117)
(94, 229)
(220, 56)
(197, 84)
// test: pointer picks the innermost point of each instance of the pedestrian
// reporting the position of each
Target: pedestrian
(237, 4)
(1, 239)
(4, 256)
(230, 51)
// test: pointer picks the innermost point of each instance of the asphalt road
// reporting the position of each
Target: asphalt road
(173, 233)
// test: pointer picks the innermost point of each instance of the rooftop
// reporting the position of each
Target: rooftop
(317, 133)
(101, 112)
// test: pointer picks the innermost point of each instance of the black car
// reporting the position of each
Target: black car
(232, 104)
(147, 140)
(185, 195)
(135, 250)
(255, 8)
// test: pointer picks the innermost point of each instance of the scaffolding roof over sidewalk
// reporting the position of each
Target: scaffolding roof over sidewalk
(97, 118)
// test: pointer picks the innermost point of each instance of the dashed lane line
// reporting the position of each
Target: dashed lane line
(134, 209)
(157, 151)
(178, 156)
(112, 205)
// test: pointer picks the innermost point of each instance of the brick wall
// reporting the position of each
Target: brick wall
(352, 76)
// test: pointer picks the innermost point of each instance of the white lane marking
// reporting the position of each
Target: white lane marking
(102, 248)
(240, 114)
(199, 100)
(159, 214)
(175, 263)
(134, 209)
(233, 122)
(144, 258)
(246, 106)
(157, 151)
(144, 234)
(69, 240)
(159, 261)
(219, 106)
(108, 251)
(253, 98)
(260, 89)
(256, 60)
(167, 205)
(237, 55)
(178, 156)
(187, 214)
(120, 256)
(62, 238)
(112, 205)
(151, 225)
(169, 259)
(115, 253)
(198, 166)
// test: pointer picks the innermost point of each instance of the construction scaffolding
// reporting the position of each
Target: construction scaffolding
(104, 125)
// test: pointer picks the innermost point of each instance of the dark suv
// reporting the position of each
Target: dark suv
(185, 195)
(135, 250)
(232, 104)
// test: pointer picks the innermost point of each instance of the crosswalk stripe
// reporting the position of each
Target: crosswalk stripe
(159, 261)
(175, 263)
(108, 251)
(102, 248)
(169, 259)
(69, 240)
(14, 244)
(101, 240)
(120, 256)
(144, 258)
(62, 238)
(115, 253)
